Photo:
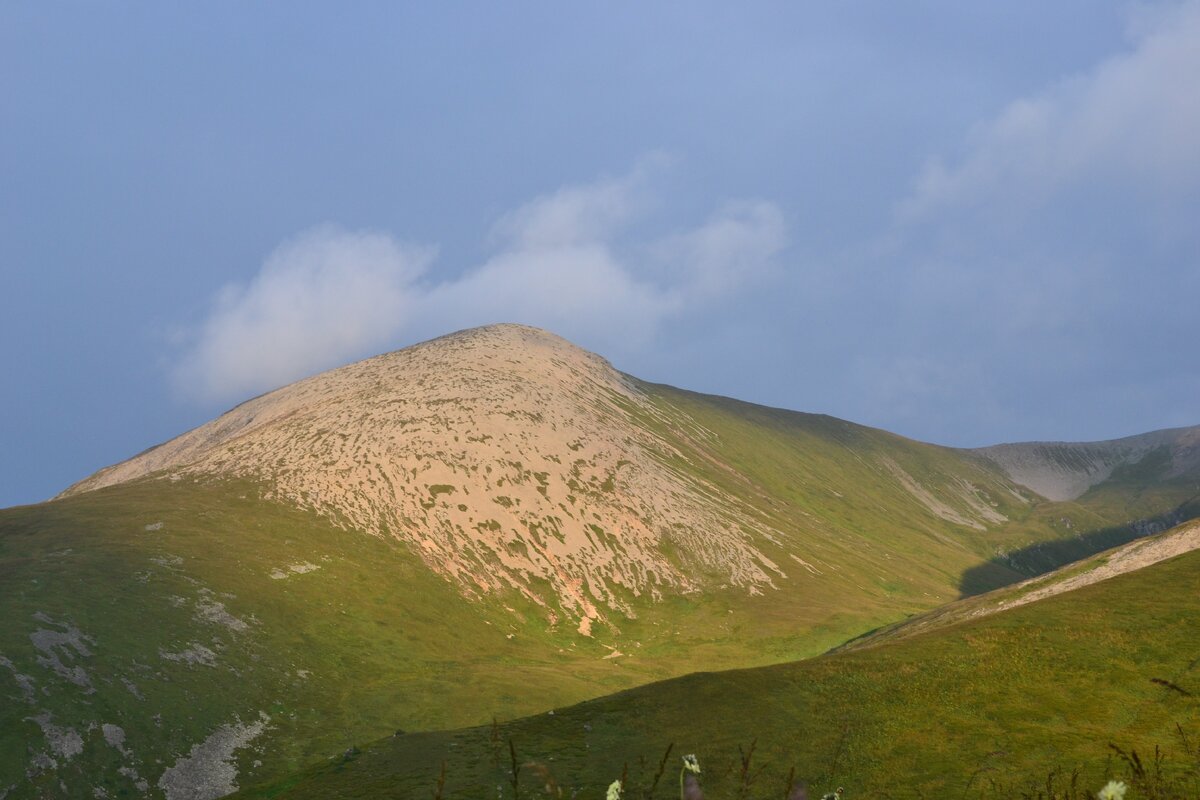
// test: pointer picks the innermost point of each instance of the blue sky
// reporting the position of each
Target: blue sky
(967, 223)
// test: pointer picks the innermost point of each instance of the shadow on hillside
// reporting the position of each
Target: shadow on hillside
(1038, 559)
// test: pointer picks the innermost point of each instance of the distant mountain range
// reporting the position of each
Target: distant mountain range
(495, 522)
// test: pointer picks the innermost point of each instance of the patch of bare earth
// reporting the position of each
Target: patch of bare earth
(208, 771)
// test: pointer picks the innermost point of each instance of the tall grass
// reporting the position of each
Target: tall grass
(1170, 773)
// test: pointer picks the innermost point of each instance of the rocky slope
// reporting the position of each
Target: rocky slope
(505, 456)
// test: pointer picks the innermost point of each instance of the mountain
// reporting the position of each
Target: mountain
(508, 459)
(491, 523)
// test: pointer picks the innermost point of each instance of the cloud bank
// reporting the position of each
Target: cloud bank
(1032, 280)
(561, 261)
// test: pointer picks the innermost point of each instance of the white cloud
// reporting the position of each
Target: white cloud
(577, 214)
(1130, 122)
(582, 292)
(331, 296)
(319, 298)
(732, 247)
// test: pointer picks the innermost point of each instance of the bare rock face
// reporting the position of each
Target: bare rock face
(505, 456)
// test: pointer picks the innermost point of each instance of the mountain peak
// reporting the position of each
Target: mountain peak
(505, 456)
(503, 335)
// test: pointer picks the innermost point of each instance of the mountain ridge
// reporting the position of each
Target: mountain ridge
(1066, 470)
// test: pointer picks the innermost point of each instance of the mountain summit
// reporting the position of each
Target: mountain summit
(504, 455)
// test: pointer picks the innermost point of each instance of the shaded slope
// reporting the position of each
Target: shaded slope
(1104, 566)
(1005, 699)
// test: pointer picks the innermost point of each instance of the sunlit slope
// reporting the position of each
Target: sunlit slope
(884, 503)
(1006, 700)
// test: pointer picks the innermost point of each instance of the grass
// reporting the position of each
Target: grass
(368, 643)
(828, 490)
(1012, 705)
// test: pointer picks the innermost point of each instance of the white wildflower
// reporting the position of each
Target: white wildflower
(691, 764)
(614, 791)
(1115, 790)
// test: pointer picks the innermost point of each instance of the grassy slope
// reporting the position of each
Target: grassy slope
(368, 643)
(1003, 699)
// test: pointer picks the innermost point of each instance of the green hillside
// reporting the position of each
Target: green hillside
(873, 500)
(995, 707)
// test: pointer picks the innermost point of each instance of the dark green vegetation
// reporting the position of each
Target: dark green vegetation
(162, 635)
(986, 708)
